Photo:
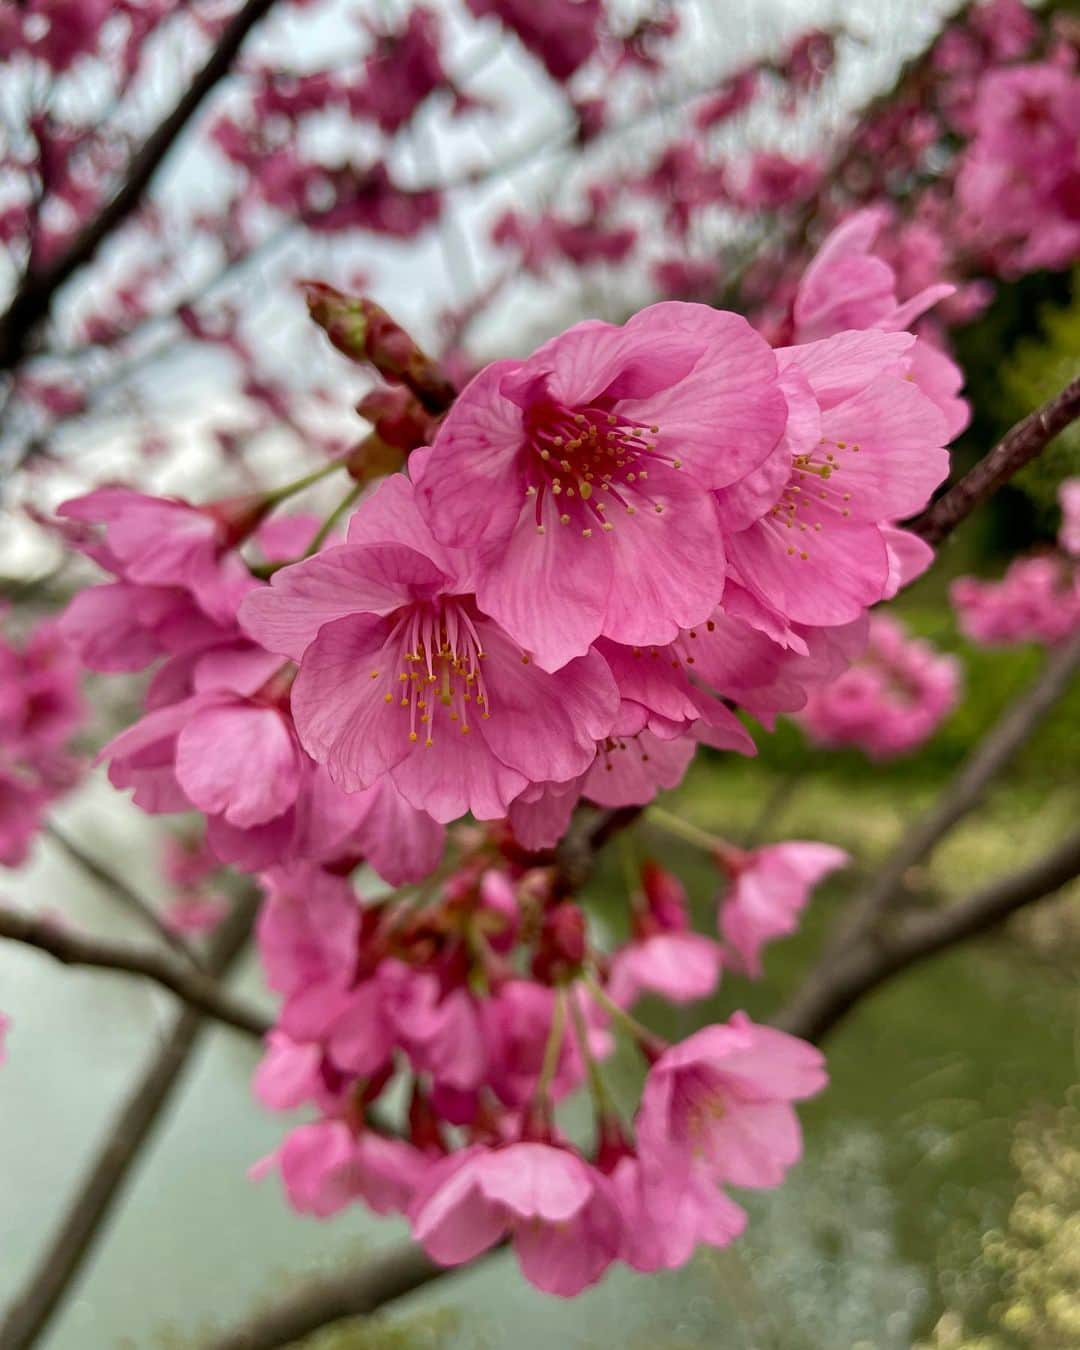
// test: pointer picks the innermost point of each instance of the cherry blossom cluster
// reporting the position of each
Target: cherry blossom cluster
(605, 551)
(483, 998)
(891, 701)
(41, 708)
(1038, 598)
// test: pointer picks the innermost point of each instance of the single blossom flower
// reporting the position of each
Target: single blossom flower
(560, 1214)
(582, 476)
(864, 447)
(719, 1104)
(402, 673)
(769, 888)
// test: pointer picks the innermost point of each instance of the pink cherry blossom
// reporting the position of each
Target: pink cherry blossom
(583, 475)
(1037, 600)
(560, 1214)
(326, 1166)
(402, 674)
(864, 449)
(1069, 534)
(719, 1103)
(891, 701)
(769, 888)
(562, 33)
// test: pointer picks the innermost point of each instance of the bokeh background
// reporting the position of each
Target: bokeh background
(942, 1169)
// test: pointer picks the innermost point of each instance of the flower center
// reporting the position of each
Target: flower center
(590, 463)
(441, 652)
(810, 493)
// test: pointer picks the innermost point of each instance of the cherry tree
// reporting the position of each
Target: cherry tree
(413, 615)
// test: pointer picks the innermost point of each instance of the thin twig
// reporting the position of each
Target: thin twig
(199, 990)
(1019, 446)
(34, 297)
(120, 890)
(122, 1144)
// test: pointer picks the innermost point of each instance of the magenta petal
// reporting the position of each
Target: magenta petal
(471, 485)
(546, 726)
(339, 701)
(900, 434)
(564, 1259)
(536, 1181)
(724, 417)
(548, 591)
(455, 775)
(451, 1219)
(845, 570)
(285, 616)
(668, 566)
(239, 761)
(839, 367)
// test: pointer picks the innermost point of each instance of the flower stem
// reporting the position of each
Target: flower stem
(648, 1040)
(552, 1049)
(684, 830)
(277, 495)
(597, 1088)
(332, 519)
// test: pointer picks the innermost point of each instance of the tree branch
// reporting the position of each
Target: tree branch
(1019, 446)
(119, 890)
(869, 964)
(32, 300)
(200, 991)
(861, 925)
(122, 1143)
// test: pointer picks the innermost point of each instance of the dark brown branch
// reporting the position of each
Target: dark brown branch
(119, 890)
(31, 1313)
(34, 297)
(200, 991)
(1019, 446)
(869, 964)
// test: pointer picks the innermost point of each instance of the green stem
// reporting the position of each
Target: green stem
(552, 1049)
(601, 1098)
(332, 519)
(684, 830)
(638, 1030)
(277, 495)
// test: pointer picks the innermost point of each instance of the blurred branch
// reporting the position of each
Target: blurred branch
(122, 1144)
(119, 890)
(1019, 446)
(869, 964)
(199, 990)
(32, 300)
(353, 1292)
(861, 926)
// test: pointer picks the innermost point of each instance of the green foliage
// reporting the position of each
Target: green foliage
(1039, 366)
(1035, 1258)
